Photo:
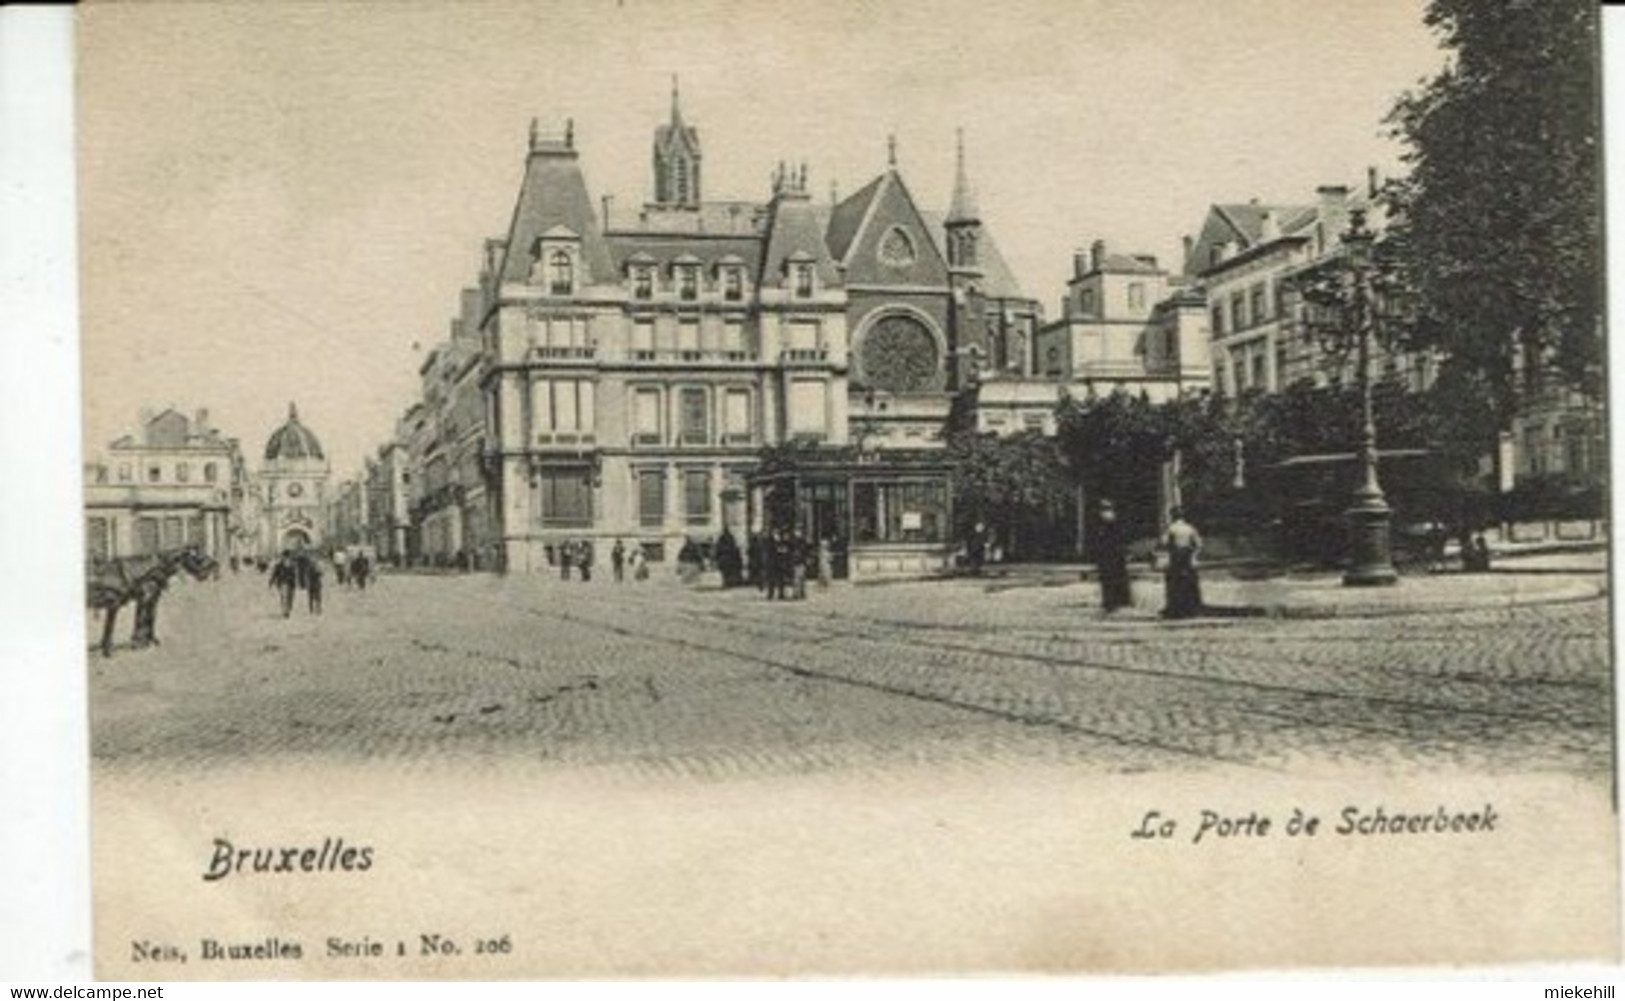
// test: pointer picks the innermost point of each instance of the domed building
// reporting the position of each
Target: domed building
(292, 488)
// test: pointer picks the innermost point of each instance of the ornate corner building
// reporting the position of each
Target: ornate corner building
(636, 362)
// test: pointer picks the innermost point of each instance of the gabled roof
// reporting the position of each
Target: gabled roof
(554, 194)
(847, 218)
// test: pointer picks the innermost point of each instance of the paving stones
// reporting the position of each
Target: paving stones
(662, 679)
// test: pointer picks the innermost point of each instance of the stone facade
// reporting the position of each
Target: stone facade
(177, 481)
(1244, 260)
(635, 364)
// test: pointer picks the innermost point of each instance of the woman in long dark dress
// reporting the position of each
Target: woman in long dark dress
(1111, 560)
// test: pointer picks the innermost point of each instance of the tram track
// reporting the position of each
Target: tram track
(1198, 721)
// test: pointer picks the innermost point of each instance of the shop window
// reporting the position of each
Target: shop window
(900, 512)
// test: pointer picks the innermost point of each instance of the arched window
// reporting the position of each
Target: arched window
(561, 273)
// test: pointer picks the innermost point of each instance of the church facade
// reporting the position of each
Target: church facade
(292, 489)
(636, 363)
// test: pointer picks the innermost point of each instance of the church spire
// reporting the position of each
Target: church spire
(964, 219)
(962, 207)
(676, 111)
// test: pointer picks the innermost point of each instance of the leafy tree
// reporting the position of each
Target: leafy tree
(1499, 221)
(1015, 485)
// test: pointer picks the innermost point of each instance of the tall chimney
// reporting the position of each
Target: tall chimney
(606, 200)
(1269, 227)
(1190, 245)
(1097, 254)
(1371, 186)
(1080, 262)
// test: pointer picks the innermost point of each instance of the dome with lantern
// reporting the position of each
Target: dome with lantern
(293, 441)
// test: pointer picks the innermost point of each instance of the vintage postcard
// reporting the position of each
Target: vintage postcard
(652, 489)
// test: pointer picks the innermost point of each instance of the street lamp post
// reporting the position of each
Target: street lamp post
(1371, 562)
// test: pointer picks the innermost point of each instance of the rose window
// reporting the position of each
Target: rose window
(899, 355)
(896, 249)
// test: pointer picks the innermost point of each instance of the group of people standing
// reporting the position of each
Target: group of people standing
(575, 554)
(782, 559)
(1181, 579)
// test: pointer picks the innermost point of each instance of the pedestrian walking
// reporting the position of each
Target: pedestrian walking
(976, 548)
(640, 565)
(567, 555)
(360, 570)
(1111, 560)
(284, 579)
(617, 561)
(799, 554)
(826, 564)
(1184, 588)
(341, 567)
(313, 584)
(778, 564)
(584, 559)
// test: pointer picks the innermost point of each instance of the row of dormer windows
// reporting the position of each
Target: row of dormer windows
(559, 278)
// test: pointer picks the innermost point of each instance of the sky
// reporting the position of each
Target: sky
(279, 202)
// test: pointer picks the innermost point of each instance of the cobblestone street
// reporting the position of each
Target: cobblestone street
(666, 680)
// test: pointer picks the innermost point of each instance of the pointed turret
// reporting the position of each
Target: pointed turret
(677, 158)
(963, 222)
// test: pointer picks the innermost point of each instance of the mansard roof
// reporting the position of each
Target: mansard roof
(796, 228)
(554, 194)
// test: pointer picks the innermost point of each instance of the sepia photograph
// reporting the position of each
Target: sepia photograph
(642, 489)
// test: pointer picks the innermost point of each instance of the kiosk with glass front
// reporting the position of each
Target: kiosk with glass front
(884, 515)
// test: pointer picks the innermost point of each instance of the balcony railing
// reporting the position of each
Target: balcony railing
(690, 355)
(567, 439)
(573, 352)
(804, 356)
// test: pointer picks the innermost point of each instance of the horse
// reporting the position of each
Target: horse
(113, 583)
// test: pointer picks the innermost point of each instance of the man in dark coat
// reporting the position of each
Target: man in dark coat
(1111, 560)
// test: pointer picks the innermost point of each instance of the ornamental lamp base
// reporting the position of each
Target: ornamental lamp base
(1371, 561)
